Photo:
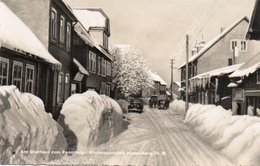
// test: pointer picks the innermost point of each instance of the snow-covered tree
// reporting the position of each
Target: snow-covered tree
(129, 70)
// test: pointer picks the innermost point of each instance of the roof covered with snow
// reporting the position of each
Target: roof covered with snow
(249, 67)
(80, 67)
(156, 77)
(178, 83)
(90, 18)
(83, 25)
(218, 72)
(15, 35)
(214, 41)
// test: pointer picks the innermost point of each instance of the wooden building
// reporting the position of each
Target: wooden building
(24, 61)
(52, 22)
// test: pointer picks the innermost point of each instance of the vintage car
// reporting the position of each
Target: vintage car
(163, 102)
(136, 105)
(153, 101)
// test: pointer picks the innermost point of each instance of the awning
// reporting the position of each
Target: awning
(203, 79)
(80, 67)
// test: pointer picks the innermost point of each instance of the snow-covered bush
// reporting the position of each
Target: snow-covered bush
(90, 119)
(28, 134)
(237, 137)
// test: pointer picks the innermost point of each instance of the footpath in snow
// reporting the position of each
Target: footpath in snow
(237, 137)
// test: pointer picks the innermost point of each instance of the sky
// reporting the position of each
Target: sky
(158, 27)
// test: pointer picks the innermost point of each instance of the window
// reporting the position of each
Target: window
(60, 88)
(243, 45)
(233, 44)
(17, 74)
(230, 61)
(53, 23)
(62, 29)
(4, 70)
(29, 78)
(103, 69)
(67, 86)
(92, 62)
(240, 44)
(99, 65)
(68, 37)
(258, 77)
(109, 66)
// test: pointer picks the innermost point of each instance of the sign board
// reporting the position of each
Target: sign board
(78, 77)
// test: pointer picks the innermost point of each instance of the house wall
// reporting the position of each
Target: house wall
(41, 70)
(94, 80)
(217, 56)
(35, 14)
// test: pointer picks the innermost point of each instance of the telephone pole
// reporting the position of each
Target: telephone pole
(172, 62)
(187, 73)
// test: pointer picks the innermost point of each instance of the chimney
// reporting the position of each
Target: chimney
(222, 29)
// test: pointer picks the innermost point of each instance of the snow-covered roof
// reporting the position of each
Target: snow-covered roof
(82, 27)
(90, 18)
(178, 83)
(80, 67)
(214, 41)
(218, 72)
(249, 67)
(15, 35)
(83, 34)
(156, 77)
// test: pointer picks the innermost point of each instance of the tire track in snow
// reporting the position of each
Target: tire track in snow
(172, 155)
(177, 151)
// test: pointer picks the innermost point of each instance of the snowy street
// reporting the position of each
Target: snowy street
(155, 137)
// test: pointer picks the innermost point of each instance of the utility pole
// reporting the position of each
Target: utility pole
(172, 62)
(187, 73)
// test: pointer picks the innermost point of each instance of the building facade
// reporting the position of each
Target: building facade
(84, 65)
(24, 61)
(92, 49)
(228, 48)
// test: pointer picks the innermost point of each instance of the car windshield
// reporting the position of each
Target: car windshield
(135, 101)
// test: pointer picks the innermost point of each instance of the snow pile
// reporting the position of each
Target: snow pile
(28, 134)
(237, 137)
(124, 105)
(90, 119)
(178, 107)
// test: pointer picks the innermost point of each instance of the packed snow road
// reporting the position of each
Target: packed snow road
(155, 137)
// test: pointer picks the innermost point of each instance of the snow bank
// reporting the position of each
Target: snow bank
(178, 107)
(90, 119)
(124, 105)
(28, 134)
(237, 137)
